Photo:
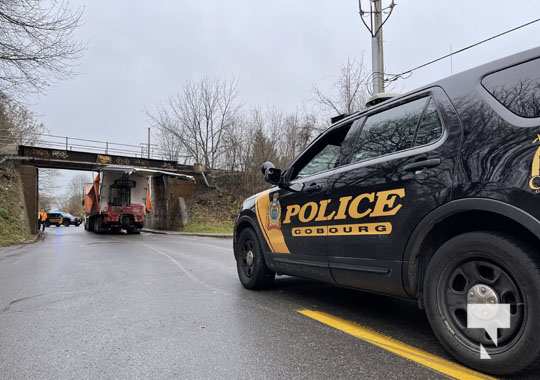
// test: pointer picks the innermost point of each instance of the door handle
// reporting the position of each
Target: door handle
(421, 164)
(313, 188)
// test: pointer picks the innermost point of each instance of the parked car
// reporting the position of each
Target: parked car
(71, 220)
(54, 218)
(432, 195)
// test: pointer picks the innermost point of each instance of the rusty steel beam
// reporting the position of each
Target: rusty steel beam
(76, 160)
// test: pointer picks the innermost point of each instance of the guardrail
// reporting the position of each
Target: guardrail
(142, 150)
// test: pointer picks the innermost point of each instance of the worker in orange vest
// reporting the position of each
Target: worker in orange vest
(42, 218)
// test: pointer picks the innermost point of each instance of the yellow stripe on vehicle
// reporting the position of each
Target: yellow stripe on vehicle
(401, 349)
(273, 236)
(535, 167)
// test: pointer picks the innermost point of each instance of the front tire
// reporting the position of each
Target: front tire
(506, 271)
(252, 270)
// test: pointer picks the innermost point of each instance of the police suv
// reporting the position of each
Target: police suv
(432, 195)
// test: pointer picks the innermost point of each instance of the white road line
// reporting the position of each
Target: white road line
(185, 271)
(195, 240)
(250, 303)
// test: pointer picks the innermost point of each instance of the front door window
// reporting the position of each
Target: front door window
(328, 152)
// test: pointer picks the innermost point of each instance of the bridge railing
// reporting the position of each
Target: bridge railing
(142, 150)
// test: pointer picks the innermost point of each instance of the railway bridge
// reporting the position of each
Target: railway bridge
(61, 152)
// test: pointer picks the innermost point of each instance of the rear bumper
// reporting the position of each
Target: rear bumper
(123, 221)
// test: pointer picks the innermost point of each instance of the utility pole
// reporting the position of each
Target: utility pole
(372, 18)
(377, 53)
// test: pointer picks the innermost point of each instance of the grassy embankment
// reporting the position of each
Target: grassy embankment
(13, 224)
(212, 212)
(224, 227)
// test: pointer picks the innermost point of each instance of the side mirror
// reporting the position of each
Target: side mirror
(271, 174)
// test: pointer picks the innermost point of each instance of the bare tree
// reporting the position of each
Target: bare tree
(72, 201)
(260, 136)
(237, 144)
(48, 187)
(199, 117)
(17, 124)
(169, 144)
(36, 42)
(350, 91)
(298, 131)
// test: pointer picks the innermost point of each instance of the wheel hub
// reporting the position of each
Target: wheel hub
(481, 293)
(481, 282)
(249, 258)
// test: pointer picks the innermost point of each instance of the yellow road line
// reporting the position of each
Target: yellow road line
(404, 350)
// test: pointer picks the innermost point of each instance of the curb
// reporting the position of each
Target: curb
(39, 236)
(201, 234)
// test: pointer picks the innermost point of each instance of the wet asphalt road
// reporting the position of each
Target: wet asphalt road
(79, 305)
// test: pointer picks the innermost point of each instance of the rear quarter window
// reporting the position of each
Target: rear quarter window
(517, 88)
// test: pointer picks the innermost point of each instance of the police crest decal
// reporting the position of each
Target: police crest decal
(534, 181)
(274, 213)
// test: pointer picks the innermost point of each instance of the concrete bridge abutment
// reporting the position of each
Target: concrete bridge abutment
(170, 196)
(29, 177)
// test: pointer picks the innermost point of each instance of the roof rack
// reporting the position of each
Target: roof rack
(335, 119)
(379, 98)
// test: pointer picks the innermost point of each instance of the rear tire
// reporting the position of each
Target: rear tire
(508, 269)
(252, 270)
(97, 225)
(88, 224)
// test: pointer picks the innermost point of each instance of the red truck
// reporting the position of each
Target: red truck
(119, 198)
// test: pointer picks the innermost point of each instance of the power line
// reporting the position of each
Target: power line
(409, 72)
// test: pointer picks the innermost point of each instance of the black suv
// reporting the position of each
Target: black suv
(70, 220)
(433, 195)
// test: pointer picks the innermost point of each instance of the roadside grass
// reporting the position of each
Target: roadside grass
(212, 227)
(13, 225)
(212, 211)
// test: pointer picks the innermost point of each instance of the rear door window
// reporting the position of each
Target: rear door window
(399, 128)
(430, 128)
(517, 88)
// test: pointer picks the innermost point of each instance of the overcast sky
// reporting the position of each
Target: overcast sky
(141, 52)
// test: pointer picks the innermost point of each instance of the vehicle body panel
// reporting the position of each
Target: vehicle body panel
(54, 218)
